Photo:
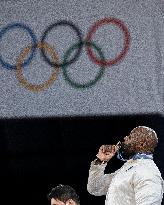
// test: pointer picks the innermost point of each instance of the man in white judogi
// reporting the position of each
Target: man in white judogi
(138, 181)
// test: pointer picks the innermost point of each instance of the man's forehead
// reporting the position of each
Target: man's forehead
(56, 202)
(145, 130)
(137, 130)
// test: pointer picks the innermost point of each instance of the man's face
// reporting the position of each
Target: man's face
(130, 138)
(129, 144)
(58, 202)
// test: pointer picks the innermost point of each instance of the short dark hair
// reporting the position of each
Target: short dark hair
(64, 193)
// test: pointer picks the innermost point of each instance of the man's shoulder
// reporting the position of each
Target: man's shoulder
(146, 167)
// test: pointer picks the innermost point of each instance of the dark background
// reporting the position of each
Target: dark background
(38, 154)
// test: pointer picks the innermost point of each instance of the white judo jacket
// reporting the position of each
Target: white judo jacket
(137, 182)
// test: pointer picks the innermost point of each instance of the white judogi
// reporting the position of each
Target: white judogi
(137, 182)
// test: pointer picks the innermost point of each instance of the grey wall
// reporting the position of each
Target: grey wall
(134, 85)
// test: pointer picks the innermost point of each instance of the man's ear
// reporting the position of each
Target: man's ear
(70, 202)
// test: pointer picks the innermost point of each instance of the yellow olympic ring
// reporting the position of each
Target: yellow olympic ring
(19, 70)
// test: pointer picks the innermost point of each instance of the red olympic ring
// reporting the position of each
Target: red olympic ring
(125, 49)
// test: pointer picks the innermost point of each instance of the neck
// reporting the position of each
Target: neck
(143, 152)
(142, 155)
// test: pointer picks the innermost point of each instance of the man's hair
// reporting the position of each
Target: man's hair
(64, 193)
(148, 135)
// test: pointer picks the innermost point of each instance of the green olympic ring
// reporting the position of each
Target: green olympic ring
(97, 77)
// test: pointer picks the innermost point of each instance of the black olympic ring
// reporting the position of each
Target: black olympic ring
(79, 35)
(34, 41)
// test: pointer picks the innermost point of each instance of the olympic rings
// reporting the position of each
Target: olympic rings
(19, 72)
(55, 61)
(98, 76)
(125, 30)
(33, 38)
(78, 33)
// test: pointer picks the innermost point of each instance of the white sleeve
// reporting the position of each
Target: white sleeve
(148, 187)
(98, 182)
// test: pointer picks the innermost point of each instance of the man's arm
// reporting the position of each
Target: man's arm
(98, 182)
(148, 188)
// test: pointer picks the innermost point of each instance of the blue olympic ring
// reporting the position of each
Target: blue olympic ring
(33, 38)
